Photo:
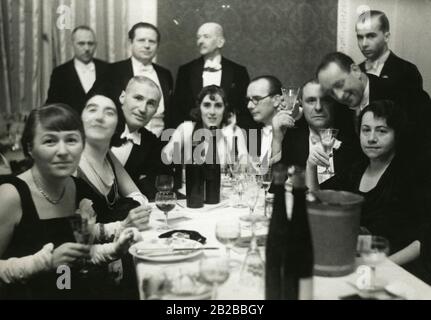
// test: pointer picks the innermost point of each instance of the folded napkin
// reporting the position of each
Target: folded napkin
(186, 234)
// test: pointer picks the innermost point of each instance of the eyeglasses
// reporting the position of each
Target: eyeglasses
(256, 100)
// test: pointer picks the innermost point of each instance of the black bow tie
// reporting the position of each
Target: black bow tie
(124, 140)
(209, 69)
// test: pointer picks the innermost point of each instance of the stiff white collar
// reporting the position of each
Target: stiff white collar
(134, 136)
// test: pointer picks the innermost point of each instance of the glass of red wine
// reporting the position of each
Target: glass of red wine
(165, 201)
(164, 182)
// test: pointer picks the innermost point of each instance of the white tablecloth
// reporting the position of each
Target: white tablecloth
(203, 220)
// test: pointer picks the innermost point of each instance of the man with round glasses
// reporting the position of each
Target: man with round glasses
(265, 103)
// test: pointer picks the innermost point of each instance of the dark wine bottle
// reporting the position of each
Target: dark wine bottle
(212, 172)
(275, 242)
(289, 250)
(195, 182)
(298, 251)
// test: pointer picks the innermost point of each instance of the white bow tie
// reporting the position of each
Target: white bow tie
(212, 66)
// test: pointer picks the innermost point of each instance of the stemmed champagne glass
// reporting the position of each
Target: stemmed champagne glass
(327, 139)
(373, 250)
(164, 182)
(83, 231)
(165, 201)
(228, 231)
(266, 182)
(290, 95)
(252, 272)
(215, 271)
(238, 175)
(252, 198)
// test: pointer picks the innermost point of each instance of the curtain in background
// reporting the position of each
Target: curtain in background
(409, 26)
(285, 38)
(35, 36)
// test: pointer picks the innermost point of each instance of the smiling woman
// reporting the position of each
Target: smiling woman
(118, 202)
(35, 232)
(211, 111)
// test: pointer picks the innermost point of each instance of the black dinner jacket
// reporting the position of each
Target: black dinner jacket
(415, 101)
(399, 72)
(144, 163)
(296, 143)
(189, 83)
(122, 71)
(65, 86)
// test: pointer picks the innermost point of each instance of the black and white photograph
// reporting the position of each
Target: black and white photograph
(231, 151)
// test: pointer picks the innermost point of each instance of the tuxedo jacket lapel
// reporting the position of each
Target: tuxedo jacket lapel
(74, 78)
(163, 83)
(196, 77)
(128, 70)
(99, 73)
(226, 75)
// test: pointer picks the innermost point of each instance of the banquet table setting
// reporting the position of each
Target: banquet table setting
(177, 275)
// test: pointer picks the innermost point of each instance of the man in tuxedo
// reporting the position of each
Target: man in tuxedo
(265, 105)
(302, 142)
(144, 41)
(343, 80)
(71, 81)
(211, 69)
(138, 149)
(372, 31)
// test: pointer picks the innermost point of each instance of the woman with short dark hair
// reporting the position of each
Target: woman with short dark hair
(211, 111)
(395, 188)
(35, 233)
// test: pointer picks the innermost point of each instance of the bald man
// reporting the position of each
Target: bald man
(71, 81)
(138, 149)
(211, 69)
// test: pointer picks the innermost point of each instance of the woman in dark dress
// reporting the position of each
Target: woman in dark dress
(396, 189)
(35, 232)
(119, 202)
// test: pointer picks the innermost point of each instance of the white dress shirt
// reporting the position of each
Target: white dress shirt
(365, 99)
(212, 77)
(123, 152)
(86, 73)
(156, 124)
(266, 144)
(375, 67)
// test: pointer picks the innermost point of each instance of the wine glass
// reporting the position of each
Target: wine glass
(373, 250)
(266, 182)
(165, 201)
(83, 231)
(215, 271)
(252, 196)
(252, 272)
(327, 139)
(290, 95)
(238, 182)
(164, 182)
(228, 231)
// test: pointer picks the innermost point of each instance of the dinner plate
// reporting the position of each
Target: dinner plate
(185, 285)
(146, 249)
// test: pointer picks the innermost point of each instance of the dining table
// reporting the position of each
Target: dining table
(402, 284)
